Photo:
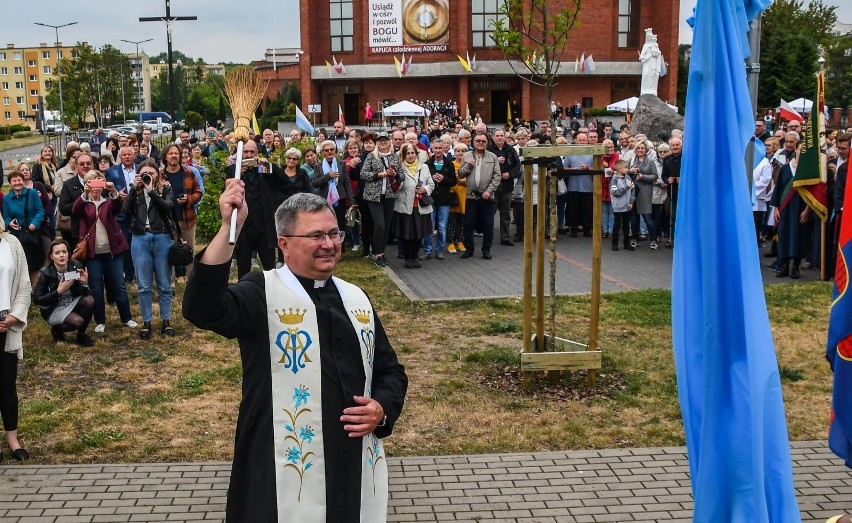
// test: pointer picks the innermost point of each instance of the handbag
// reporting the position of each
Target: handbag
(63, 223)
(353, 216)
(180, 253)
(518, 190)
(454, 198)
(394, 182)
(81, 250)
(561, 187)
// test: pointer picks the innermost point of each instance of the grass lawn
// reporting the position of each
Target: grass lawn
(126, 400)
(15, 143)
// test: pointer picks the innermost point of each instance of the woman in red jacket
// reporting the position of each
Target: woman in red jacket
(105, 246)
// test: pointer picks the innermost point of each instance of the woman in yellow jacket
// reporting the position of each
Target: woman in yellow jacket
(455, 228)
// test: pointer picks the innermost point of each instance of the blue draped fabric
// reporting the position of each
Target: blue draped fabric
(727, 373)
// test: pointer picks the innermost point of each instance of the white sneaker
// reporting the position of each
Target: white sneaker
(132, 324)
(99, 328)
(356, 248)
(653, 246)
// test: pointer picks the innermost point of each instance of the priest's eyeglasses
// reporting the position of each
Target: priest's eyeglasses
(320, 237)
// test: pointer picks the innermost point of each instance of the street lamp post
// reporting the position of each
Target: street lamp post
(138, 80)
(56, 28)
(123, 103)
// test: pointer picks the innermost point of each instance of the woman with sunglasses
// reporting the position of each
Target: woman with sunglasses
(105, 161)
(382, 172)
(148, 207)
(296, 179)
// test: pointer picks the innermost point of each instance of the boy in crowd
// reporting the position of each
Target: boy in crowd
(623, 197)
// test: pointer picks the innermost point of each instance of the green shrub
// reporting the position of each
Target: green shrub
(4, 137)
(602, 111)
(12, 129)
(22, 134)
(209, 219)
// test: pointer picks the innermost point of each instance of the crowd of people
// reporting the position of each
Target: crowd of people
(103, 217)
(781, 216)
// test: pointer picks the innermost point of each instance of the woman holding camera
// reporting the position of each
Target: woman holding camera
(15, 292)
(105, 246)
(148, 207)
(63, 296)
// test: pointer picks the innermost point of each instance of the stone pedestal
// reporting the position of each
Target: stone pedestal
(654, 118)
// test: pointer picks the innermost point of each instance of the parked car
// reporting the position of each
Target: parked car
(126, 129)
(157, 128)
(56, 128)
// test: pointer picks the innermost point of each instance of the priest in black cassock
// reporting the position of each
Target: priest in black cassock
(321, 383)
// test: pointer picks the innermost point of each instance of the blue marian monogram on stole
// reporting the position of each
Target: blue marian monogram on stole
(297, 341)
(367, 335)
(298, 455)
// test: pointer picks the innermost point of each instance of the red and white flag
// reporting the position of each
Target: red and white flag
(583, 62)
(404, 65)
(788, 113)
(340, 114)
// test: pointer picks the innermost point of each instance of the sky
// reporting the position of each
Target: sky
(224, 31)
(844, 15)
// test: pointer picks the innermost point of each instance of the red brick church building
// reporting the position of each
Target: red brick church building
(366, 35)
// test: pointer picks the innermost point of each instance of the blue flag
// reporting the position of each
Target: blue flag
(728, 382)
(303, 123)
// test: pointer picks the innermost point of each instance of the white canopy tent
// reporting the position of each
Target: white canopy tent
(403, 108)
(629, 105)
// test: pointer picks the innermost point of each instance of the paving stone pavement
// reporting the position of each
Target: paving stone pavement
(641, 484)
(502, 276)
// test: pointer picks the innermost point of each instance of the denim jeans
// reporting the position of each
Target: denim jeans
(561, 204)
(129, 271)
(608, 217)
(354, 235)
(151, 259)
(638, 227)
(103, 268)
(648, 220)
(440, 218)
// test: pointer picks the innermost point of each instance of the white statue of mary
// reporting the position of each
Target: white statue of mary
(652, 60)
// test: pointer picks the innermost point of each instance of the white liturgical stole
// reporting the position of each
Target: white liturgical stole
(294, 349)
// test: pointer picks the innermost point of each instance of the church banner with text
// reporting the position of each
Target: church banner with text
(408, 26)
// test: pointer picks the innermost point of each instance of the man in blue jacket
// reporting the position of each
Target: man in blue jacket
(122, 175)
